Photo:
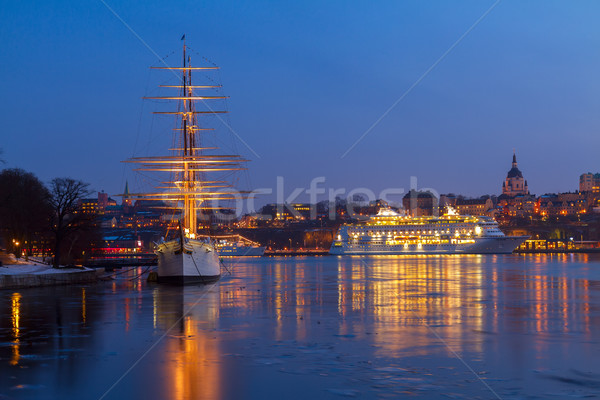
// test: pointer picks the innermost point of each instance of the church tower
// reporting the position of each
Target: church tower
(126, 198)
(514, 184)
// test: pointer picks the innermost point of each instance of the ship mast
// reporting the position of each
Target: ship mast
(189, 204)
(189, 189)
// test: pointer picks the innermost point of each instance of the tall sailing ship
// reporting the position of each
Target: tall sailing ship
(388, 232)
(196, 178)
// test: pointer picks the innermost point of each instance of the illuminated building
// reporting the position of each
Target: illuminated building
(98, 205)
(120, 242)
(561, 204)
(103, 200)
(483, 206)
(293, 211)
(514, 184)
(517, 206)
(248, 221)
(89, 206)
(589, 182)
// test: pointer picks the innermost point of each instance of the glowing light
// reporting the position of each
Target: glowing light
(15, 318)
(83, 306)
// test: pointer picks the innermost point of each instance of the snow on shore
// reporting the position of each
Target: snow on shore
(33, 268)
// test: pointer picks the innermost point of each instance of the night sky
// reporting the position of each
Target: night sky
(306, 79)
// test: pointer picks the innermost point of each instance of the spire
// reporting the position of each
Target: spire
(126, 198)
(514, 163)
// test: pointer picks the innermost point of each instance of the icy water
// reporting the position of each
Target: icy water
(433, 327)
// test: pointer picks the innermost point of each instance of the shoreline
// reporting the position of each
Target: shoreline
(19, 276)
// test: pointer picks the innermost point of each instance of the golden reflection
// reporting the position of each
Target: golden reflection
(358, 288)
(154, 307)
(302, 303)
(341, 291)
(192, 362)
(556, 301)
(401, 291)
(494, 295)
(564, 297)
(586, 304)
(401, 303)
(127, 314)
(15, 318)
(83, 306)
(278, 301)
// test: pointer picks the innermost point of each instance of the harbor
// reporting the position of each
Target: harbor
(300, 200)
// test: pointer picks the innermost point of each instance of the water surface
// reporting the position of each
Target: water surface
(487, 327)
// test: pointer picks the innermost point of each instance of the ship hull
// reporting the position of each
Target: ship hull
(494, 245)
(195, 262)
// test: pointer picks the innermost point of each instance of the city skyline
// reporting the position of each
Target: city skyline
(306, 82)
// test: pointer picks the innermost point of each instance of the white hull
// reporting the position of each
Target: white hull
(196, 262)
(490, 245)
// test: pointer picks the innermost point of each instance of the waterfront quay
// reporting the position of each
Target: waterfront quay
(428, 327)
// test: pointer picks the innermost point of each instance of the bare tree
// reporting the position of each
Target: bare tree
(66, 219)
(23, 209)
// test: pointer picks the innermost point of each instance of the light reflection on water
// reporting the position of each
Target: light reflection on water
(192, 356)
(315, 326)
(15, 317)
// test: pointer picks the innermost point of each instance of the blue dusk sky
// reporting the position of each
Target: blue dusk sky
(306, 79)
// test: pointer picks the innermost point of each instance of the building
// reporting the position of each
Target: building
(98, 205)
(288, 212)
(103, 200)
(448, 200)
(89, 206)
(589, 183)
(565, 204)
(514, 184)
(482, 206)
(420, 203)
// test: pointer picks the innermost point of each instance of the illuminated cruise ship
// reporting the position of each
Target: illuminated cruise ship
(391, 233)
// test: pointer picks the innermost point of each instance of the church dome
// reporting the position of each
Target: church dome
(514, 173)
(514, 183)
